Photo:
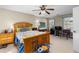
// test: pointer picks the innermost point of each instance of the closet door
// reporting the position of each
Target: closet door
(76, 29)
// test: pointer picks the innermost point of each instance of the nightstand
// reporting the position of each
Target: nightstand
(6, 38)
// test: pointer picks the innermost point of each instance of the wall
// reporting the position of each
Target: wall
(8, 18)
(58, 20)
(51, 23)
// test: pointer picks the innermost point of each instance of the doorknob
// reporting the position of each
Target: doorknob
(74, 31)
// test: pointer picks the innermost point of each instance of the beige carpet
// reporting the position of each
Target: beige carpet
(10, 49)
(58, 45)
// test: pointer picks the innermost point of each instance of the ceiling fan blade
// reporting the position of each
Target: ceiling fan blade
(36, 10)
(50, 9)
(47, 12)
(40, 13)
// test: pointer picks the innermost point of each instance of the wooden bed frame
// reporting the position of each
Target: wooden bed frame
(31, 43)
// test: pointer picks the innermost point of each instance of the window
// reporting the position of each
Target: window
(68, 23)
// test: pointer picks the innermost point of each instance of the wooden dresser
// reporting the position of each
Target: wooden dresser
(6, 38)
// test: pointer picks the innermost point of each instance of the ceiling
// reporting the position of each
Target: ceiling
(59, 9)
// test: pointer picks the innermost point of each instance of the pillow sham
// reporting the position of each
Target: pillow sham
(23, 29)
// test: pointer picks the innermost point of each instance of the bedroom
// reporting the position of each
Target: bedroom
(12, 17)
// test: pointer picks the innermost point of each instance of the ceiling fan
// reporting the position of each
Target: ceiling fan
(44, 8)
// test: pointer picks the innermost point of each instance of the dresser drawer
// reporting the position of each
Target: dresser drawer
(6, 35)
(2, 41)
(6, 38)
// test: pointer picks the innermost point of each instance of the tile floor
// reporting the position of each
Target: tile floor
(58, 45)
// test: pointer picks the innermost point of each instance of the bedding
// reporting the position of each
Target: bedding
(17, 41)
(21, 35)
(19, 45)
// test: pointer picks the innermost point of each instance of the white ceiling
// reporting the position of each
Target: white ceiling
(59, 9)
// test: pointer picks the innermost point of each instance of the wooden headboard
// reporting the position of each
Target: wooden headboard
(21, 25)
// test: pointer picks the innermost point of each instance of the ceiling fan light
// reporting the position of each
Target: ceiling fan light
(43, 12)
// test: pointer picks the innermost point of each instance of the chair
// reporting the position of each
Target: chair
(52, 31)
(58, 29)
(66, 33)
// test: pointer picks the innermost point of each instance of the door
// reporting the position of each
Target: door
(76, 29)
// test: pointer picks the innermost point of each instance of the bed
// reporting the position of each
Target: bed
(28, 41)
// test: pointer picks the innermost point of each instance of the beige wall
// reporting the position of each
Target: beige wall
(58, 21)
(8, 18)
